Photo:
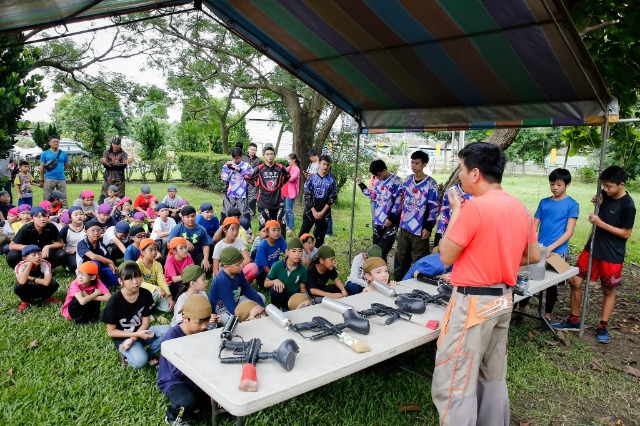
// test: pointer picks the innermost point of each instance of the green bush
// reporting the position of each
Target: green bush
(161, 169)
(202, 169)
(75, 168)
(587, 175)
(343, 173)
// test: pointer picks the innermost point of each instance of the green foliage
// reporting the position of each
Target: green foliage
(239, 133)
(94, 164)
(41, 136)
(587, 175)
(151, 135)
(19, 92)
(534, 144)
(202, 169)
(193, 136)
(75, 168)
(624, 147)
(161, 169)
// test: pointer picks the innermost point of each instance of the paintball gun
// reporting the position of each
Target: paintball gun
(404, 301)
(378, 309)
(325, 328)
(248, 354)
(229, 328)
(442, 298)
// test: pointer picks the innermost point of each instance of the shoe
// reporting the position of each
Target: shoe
(123, 360)
(566, 325)
(517, 319)
(153, 361)
(602, 335)
(176, 422)
(52, 300)
(23, 306)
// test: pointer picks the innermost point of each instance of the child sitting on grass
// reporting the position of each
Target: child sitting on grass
(375, 269)
(185, 397)
(139, 219)
(71, 234)
(122, 212)
(230, 286)
(24, 214)
(84, 296)
(231, 227)
(248, 310)
(195, 282)
(152, 210)
(112, 199)
(92, 247)
(141, 203)
(136, 234)
(88, 205)
(104, 217)
(356, 281)
(153, 276)
(262, 235)
(178, 259)
(162, 225)
(7, 233)
(309, 249)
(288, 276)
(33, 278)
(321, 271)
(208, 220)
(127, 316)
(269, 250)
(171, 200)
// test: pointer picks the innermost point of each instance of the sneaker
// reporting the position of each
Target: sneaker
(23, 306)
(52, 300)
(566, 325)
(602, 335)
(176, 422)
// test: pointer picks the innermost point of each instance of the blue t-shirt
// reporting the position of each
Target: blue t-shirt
(132, 253)
(429, 265)
(197, 236)
(58, 172)
(168, 374)
(554, 216)
(268, 255)
(211, 226)
(226, 291)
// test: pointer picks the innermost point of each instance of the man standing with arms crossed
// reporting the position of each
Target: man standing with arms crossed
(488, 238)
(252, 159)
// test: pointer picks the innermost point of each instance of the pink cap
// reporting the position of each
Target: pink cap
(86, 194)
(13, 211)
(153, 199)
(45, 204)
(123, 200)
(104, 209)
(182, 203)
(64, 217)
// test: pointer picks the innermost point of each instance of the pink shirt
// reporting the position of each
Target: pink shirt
(292, 187)
(173, 267)
(74, 288)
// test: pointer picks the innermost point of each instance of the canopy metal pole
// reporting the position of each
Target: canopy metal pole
(585, 296)
(353, 194)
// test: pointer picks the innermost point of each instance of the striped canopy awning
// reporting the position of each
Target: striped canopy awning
(419, 65)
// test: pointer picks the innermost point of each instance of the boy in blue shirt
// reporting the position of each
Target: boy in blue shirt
(197, 238)
(556, 216)
(184, 395)
(269, 250)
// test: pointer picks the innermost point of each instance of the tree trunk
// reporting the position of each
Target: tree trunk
(282, 127)
(225, 139)
(566, 155)
(500, 137)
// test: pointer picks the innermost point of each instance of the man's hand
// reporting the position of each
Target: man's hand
(455, 201)
(593, 219)
(278, 286)
(205, 264)
(388, 223)
(426, 234)
(112, 266)
(45, 252)
(358, 181)
(336, 295)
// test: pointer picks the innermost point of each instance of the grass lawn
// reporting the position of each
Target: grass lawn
(73, 374)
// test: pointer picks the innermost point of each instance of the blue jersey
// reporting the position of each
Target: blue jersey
(267, 254)
(553, 216)
(384, 194)
(320, 191)
(417, 204)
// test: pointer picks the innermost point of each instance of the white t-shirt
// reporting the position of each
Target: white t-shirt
(357, 271)
(160, 225)
(177, 315)
(71, 238)
(217, 250)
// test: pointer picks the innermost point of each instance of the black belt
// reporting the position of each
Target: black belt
(480, 291)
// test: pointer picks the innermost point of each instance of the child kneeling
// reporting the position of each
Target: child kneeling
(85, 294)
(184, 395)
(127, 316)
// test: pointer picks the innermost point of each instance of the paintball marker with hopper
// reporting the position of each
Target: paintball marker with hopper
(380, 310)
(324, 328)
(248, 353)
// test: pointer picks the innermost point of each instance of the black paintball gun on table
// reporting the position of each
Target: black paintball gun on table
(442, 298)
(248, 353)
(403, 300)
(323, 327)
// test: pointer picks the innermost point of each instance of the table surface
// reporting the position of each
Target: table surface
(550, 278)
(319, 362)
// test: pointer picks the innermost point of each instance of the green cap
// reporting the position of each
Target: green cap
(125, 263)
(374, 251)
(230, 255)
(294, 243)
(325, 252)
(191, 273)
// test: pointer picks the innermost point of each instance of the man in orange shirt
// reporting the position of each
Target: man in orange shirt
(488, 238)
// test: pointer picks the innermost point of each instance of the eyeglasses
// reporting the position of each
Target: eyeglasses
(141, 235)
(95, 231)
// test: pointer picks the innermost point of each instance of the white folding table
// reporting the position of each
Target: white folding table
(318, 362)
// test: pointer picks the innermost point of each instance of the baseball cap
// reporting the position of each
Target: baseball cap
(31, 248)
(197, 306)
(89, 267)
(86, 194)
(122, 227)
(172, 188)
(229, 220)
(104, 209)
(123, 200)
(112, 188)
(161, 206)
(145, 189)
(138, 216)
(56, 194)
(38, 210)
(205, 207)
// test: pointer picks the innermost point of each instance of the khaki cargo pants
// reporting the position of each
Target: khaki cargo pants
(469, 380)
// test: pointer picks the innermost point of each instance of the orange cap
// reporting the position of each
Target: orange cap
(229, 220)
(144, 243)
(271, 223)
(305, 236)
(89, 268)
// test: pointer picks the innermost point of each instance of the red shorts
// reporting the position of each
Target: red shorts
(610, 274)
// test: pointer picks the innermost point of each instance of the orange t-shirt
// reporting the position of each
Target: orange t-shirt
(493, 229)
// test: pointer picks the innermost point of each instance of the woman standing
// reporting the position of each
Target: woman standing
(290, 190)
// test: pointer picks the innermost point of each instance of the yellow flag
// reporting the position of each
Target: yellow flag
(553, 155)
(438, 149)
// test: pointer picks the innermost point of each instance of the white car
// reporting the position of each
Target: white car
(27, 153)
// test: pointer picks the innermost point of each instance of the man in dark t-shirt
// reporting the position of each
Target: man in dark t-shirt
(41, 233)
(613, 226)
(270, 177)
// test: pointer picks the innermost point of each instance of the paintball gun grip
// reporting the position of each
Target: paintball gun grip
(335, 305)
(384, 289)
(276, 314)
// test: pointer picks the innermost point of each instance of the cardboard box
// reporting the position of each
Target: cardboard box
(557, 263)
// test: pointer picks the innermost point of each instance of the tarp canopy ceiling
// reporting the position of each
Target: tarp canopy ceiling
(400, 65)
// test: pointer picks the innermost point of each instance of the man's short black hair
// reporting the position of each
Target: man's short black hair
(53, 137)
(560, 174)
(326, 159)
(236, 152)
(420, 155)
(253, 144)
(376, 167)
(487, 158)
(613, 174)
(313, 153)
(239, 144)
(23, 163)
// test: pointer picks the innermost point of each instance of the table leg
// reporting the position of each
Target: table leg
(216, 411)
(543, 320)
